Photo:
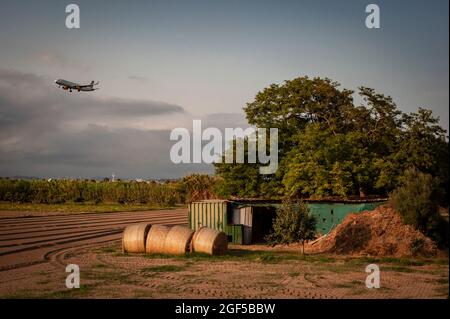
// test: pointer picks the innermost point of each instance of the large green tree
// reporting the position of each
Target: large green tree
(328, 146)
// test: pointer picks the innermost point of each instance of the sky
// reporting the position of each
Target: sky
(162, 64)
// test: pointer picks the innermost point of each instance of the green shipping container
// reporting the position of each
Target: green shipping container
(329, 215)
(235, 234)
(214, 214)
(211, 213)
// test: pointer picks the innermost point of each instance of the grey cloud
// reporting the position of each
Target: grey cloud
(98, 151)
(26, 99)
(36, 138)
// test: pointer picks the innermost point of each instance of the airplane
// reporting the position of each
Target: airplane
(67, 85)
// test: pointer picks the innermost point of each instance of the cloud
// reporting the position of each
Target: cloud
(62, 61)
(97, 151)
(27, 99)
(48, 132)
(45, 131)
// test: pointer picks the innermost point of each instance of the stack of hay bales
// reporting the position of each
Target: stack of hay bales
(176, 240)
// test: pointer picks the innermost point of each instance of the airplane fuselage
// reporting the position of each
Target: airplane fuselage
(69, 86)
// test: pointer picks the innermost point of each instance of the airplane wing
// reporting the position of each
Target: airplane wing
(88, 85)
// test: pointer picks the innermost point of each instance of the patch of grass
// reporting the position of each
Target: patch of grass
(402, 261)
(85, 207)
(442, 281)
(437, 261)
(71, 293)
(335, 264)
(351, 284)
(393, 260)
(19, 294)
(109, 276)
(234, 255)
(108, 250)
(398, 269)
(435, 272)
(143, 294)
(260, 256)
(269, 258)
(162, 268)
(323, 259)
(336, 268)
(159, 256)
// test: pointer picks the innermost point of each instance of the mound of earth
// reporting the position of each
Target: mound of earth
(377, 233)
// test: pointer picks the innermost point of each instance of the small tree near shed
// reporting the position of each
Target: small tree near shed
(292, 224)
(417, 202)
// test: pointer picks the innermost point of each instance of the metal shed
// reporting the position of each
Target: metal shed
(249, 221)
(216, 214)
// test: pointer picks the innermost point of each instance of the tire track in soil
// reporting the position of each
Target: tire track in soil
(83, 216)
(20, 225)
(11, 237)
(56, 249)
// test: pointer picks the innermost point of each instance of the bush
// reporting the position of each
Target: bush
(416, 200)
(292, 224)
(196, 187)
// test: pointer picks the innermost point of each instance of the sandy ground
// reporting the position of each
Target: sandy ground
(34, 253)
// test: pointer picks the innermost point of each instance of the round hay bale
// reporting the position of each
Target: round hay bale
(209, 241)
(178, 240)
(156, 238)
(134, 237)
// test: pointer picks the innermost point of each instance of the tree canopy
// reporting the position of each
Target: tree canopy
(328, 146)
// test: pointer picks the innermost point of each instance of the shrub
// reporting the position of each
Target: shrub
(416, 201)
(197, 187)
(292, 224)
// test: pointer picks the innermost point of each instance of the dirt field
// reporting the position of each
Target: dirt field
(26, 241)
(35, 251)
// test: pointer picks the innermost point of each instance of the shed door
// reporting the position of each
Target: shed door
(246, 217)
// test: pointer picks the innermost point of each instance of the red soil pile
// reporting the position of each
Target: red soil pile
(377, 233)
